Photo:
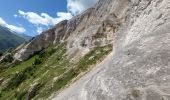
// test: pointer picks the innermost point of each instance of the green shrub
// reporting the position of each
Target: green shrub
(51, 51)
(37, 61)
(21, 96)
(16, 80)
(93, 56)
(65, 79)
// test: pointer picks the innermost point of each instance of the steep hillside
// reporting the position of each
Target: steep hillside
(60, 63)
(139, 67)
(46, 72)
(56, 58)
(94, 27)
(8, 39)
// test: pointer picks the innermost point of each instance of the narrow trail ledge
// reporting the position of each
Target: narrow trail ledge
(77, 86)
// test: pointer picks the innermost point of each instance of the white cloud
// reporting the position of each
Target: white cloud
(78, 6)
(16, 29)
(44, 18)
(12, 27)
(2, 22)
(39, 30)
(63, 16)
(74, 7)
(15, 15)
(34, 18)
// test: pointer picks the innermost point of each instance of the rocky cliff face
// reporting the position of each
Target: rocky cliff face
(42, 41)
(94, 27)
(139, 66)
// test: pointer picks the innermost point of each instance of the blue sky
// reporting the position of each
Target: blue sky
(31, 17)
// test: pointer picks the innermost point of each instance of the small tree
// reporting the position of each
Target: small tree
(37, 61)
(51, 51)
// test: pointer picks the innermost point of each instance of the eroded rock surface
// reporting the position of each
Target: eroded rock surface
(140, 66)
(94, 27)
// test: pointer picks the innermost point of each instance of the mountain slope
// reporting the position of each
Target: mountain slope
(46, 72)
(57, 64)
(139, 67)
(57, 57)
(26, 37)
(9, 39)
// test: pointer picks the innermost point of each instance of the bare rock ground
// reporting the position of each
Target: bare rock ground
(140, 66)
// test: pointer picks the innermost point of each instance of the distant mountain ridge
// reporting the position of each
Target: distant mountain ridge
(9, 39)
(26, 37)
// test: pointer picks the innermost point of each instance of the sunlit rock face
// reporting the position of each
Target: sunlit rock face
(94, 27)
(139, 68)
(46, 38)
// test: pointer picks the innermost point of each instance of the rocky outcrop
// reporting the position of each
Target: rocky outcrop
(94, 27)
(139, 67)
(42, 41)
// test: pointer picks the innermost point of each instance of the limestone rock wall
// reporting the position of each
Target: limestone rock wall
(94, 27)
(139, 68)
